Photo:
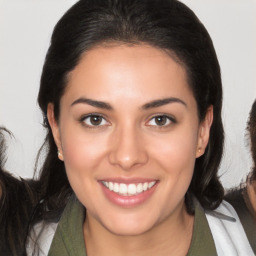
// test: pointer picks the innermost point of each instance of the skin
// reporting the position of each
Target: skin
(129, 144)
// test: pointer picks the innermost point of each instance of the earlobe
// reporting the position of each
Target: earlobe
(204, 132)
(55, 129)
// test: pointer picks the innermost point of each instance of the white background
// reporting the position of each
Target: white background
(25, 30)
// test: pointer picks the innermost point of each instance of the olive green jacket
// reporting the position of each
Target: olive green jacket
(69, 240)
(217, 232)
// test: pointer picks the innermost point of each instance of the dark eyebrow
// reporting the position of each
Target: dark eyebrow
(161, 102)
(94, 103)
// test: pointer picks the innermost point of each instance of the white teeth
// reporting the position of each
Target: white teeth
(151, 184)
(145, 186)
(139, 188)
(123, 188)
(116, 187)
(128, 189)
(110, 186)
(132, 189)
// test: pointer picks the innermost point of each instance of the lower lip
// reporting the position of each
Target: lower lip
(128, 201)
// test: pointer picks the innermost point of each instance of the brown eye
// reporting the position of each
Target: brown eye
(161, 121)
(94, 120)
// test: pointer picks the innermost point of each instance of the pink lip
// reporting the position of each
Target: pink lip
(128, 201)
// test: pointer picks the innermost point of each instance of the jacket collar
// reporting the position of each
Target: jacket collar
(69, 239)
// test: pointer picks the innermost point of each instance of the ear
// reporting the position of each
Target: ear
(204, 132)
(55, 129)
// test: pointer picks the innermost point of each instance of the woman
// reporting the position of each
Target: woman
(243, 199)
(131, 93)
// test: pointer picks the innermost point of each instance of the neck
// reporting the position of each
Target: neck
(170, 237)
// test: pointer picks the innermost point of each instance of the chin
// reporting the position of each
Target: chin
(128, 231)
(129, 227)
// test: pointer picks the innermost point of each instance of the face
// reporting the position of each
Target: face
(129, 134)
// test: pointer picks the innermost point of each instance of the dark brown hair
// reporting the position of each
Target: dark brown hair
(251, 128)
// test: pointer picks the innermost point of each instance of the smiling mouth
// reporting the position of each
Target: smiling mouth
(128, 189)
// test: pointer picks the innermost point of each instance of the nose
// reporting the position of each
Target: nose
(127, 149)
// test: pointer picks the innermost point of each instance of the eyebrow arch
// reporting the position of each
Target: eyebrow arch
(161, 102)
(94, 103)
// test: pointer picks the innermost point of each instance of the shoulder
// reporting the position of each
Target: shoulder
(227, 231)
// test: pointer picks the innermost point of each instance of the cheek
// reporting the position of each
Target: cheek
(82, 152)
(177, 152)
(177, 158)
(83, 158)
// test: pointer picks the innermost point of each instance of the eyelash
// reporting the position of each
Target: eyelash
(91, 126)
(169, 119)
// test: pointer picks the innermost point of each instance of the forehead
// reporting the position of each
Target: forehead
(139, 71)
